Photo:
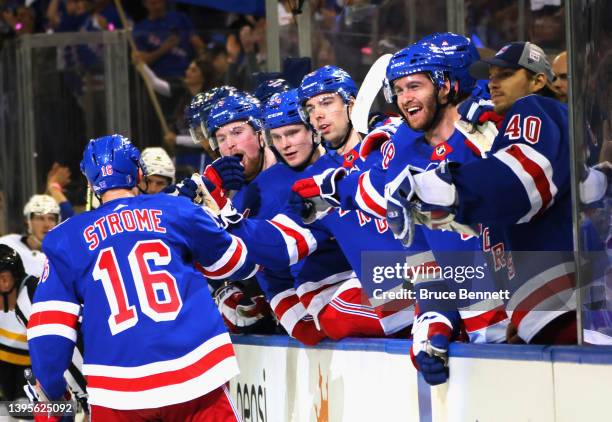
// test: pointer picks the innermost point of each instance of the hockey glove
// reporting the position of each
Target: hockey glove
(478, 123)
(187, 187)
(221, 206)
(226, 173)
(426, 198)
(431, 334)
(377, 137)
(318, 193)
(239, 311)
(399, 194)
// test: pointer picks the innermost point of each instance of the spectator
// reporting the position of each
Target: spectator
(559, 68)
(22, 22)
(166, 40)
(199, 77)
(57, 180)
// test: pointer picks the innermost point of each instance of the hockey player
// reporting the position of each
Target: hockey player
(41, 214)
(333, 92)
(158, 170)
(525, 197)
(14, 356)
(268, 88)
(426, 84)
(18, 289)
(155, 345)
(197, 113)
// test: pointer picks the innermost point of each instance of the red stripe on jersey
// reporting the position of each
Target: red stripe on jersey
(536, 172)
(229, 266)
(369, 201)
(300, 241)
(393, 306)
(552, 287)
(284, 305)
(484, 320)
(306, 298)
(163, 379)
(53, 317)
(439, 328)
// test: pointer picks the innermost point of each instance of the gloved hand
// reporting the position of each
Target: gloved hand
(226, 173)
(319, 193)
(399, 195)
(477, 110)
(431, 334)
(479, 124)
(428, 198)
(189, 187)
(239, 311)
(220, 205)
(377, 137)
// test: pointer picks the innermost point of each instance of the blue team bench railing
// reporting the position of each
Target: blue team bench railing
(601, 355)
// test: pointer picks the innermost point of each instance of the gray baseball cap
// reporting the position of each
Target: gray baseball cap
(515, 55)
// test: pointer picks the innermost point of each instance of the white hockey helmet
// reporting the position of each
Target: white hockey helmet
(41, 204)
(155, 161)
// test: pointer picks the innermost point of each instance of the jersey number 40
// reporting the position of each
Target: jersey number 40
(148, 284)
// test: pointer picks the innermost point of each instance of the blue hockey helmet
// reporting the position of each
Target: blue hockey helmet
(240, 106)
(327, 79)
(199, 108)
(460, 53)
(281, 110)
(110, 162)
(417, 58)
(268, 88)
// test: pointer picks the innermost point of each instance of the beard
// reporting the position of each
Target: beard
(422, 119)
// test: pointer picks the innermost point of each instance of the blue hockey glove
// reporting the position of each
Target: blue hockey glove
(473, 109)
(226, 172)
(319, 193)
(431, 334)
(399, 195)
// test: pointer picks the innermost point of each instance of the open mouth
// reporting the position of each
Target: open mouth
(241, 157)
(324, 128)
(411, 111)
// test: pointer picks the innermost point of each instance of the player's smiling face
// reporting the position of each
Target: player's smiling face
(293, 143)
(240, 139)
(416, 98)
(327, 114)
(508, 85)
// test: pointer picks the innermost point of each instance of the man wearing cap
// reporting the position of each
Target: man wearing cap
(524, 198)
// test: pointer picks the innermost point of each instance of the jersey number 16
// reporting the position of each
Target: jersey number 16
(148, 284)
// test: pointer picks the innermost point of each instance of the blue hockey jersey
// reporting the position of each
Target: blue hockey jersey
(484, 320)
(152, 333)
(526, 198)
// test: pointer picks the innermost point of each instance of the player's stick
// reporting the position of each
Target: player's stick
(141, 70)
(368, 91)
